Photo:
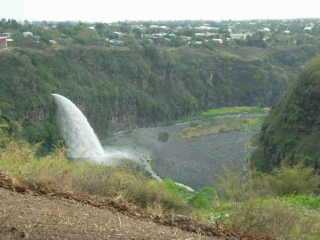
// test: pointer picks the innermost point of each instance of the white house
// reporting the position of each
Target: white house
(239, 36)
(115, 42)
(27, 34)
(53, 42)
(308, 28)
(164, 27)
(119, 34)
(266, 29)
(186, 38)
(204, 27)
(158, 35)
(154, 26)
(218, 40)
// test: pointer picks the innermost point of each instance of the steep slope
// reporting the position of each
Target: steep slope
(291, 132)
(129, 87)
(37, 217)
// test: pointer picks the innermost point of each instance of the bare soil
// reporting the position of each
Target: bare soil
(26, 216)
(36, 212)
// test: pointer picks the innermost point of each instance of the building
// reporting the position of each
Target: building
(53, 42)
(186, 38)
(308, 28)
(27, 34)
(239, 36)
(8, 35)
(218, 40)
(3, 42)
(266, 29)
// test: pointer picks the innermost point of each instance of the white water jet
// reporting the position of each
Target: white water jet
(81, 140)
(83, 143)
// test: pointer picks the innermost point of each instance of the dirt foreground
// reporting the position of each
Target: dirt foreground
(25, 216)
(36, 212)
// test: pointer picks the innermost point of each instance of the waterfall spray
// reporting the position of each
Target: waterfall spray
(83, 143)
(81, 140)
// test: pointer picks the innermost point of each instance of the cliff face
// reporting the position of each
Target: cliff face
(130, 87)
(291, 132)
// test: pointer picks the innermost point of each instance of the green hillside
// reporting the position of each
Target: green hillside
(291, 132)
(127, 87)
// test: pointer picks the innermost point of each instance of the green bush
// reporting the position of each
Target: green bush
(234, 185)
(55, 172)
(276, 219)
(172, 187)
(163, 136)
(232, 110)
(204, 199)
(294, 180)
(307, 201)
(153, 193)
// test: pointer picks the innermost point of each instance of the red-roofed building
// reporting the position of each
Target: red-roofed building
(3, 42)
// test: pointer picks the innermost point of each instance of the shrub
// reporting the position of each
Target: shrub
(153, 193)
(294, 180)
(204, 198)
(276, 219)
(163, 136)
(177, 189)
(234, 185)
(55, 172)
(307, 201)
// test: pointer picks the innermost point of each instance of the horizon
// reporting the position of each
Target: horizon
(143, 10)
(161, 20)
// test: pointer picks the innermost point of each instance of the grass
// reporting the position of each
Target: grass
(275, 218)
(306, 201)
(219, 112)
(209, 123)
(225, 125)
(56, 172)
(216, 112)
(283, 205)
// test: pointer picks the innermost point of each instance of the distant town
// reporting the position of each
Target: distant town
(194, 34)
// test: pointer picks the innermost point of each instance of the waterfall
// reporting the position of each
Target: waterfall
(83, 143)
(81, 140)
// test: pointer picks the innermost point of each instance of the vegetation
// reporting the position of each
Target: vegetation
(308, 201)
(122, 76)
(290, 133)
(163, 136)
(55, 172)
(276, 219)
(121, 79)
(281, 205)
(121, 88)
(253, 203)
(227, 119)
(233, 111)
(196, 34)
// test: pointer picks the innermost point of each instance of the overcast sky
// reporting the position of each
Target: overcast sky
(114, 10)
